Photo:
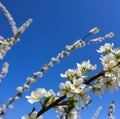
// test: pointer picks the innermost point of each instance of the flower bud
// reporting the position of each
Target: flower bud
(94, 30)
(110, 35)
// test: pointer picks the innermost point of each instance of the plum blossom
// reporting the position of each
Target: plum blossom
(36, 95)
(73, 114)
(39, 93)
(109, 83)
(85, 65)
(33, 115)
(77, 85)
(97, 89)
(60, 109)
(82, 96)
(65, 89)
(116, 51)
(70, 74)
(109, 61)
(105, 48)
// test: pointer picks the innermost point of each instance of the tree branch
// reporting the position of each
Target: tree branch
(43, 110)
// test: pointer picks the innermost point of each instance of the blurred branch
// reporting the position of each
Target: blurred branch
(4, 71)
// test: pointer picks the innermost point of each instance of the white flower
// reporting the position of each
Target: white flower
(32, 116)
(116, 51)
(73, 114)
(70, 74)
(82, 96)
(109, 61)
(50, 93)
(36, 95)
(60, 109)
(97, 89)
(77, 85)
(94, 30)
(106, 48)
(65, 89)
(85, 65)
(110, 84)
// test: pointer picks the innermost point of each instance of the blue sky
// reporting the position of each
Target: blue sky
(56, 23)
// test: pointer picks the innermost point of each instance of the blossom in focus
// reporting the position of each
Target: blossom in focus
(109, 61)
(36, 95)
(70, 74)
(85, 65)
(49, 93)
(105, 48)
(82, 96)
(77, 85)
(116, 51)
(110, 84)
(65, 89)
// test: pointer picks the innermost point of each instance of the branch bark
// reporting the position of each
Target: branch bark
(43, 110)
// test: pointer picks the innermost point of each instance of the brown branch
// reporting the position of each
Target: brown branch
(43, 110)
(94, 77)
(50, 106)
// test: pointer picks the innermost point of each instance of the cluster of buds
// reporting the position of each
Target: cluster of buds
(6, 44)
(4, 71)
(111, 67)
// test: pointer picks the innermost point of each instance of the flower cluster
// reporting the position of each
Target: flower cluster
(74, 89)
(71, 115)
(74, 86)
(39, 93)
(111, 65)
(78, 83)
(78, 44)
